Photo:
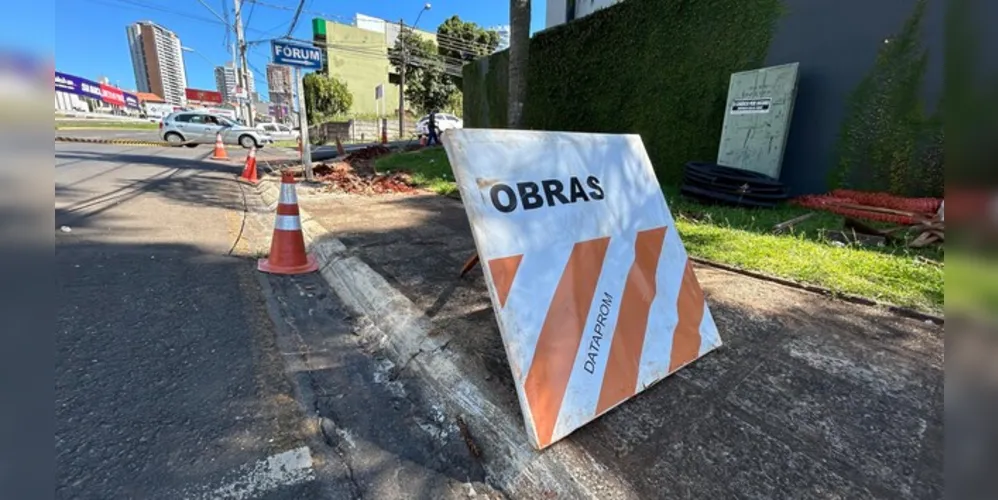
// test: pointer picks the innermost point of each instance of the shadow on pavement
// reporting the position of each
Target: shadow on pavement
(396, 442)
(808, 397)
(167, 378)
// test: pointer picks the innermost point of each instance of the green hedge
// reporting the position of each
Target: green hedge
(658, 68)
(887, 141)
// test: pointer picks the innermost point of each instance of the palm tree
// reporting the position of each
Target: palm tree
(519, 42)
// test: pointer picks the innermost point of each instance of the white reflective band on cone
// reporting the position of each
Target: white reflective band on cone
(287, 223)
(288, 194)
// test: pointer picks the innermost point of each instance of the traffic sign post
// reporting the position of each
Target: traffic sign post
(301, 57)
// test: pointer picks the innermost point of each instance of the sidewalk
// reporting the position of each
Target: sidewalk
(809, 397)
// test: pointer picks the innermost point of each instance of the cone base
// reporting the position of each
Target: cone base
(252, 182)
(309, 266)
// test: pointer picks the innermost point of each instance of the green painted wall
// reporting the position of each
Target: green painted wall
(359, 58)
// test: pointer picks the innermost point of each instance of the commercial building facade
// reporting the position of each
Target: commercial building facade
(358, 56)
(76, 94)
(158, 61)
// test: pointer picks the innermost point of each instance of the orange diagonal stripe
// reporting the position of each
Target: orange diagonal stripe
(689, 307)
(621, 377)
(561, 334)
(503, 271)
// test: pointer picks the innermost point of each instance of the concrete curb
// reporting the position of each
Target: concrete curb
(511, 463)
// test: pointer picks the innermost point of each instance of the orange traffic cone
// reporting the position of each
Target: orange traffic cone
(287, 248)
(220, 153)
(339, 147)
(422, 140)
(249, 171)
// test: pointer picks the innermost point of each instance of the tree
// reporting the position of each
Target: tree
(427, 86)
(325, 97)
(519, 46)
(465, 40)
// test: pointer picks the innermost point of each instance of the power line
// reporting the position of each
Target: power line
(136, 5)
(294, 20)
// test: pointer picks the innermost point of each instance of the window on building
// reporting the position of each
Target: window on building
(569, 10)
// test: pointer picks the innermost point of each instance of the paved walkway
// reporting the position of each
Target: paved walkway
(809, 397)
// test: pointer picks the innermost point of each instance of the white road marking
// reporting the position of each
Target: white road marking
(284, 469)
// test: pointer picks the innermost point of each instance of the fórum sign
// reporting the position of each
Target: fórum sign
(293, 54)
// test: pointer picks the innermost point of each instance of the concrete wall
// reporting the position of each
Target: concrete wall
(836, 44)
(358, 131)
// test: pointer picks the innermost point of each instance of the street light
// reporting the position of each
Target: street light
(189, 49)
(426, 7)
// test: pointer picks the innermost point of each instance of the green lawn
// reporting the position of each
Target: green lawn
(429, 168)
(77, 124)
(743, 238)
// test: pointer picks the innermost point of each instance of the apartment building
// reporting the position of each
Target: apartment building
(158, 61)
(227, 79)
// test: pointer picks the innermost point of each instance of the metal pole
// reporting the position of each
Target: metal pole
(402, 81)
(306, 152)
(243, 78)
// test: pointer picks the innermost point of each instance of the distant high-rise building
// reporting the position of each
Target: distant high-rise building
(158, 61)
(279, 79)
(226, 80)
(280, 87)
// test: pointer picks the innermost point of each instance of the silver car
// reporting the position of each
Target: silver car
(190, 128)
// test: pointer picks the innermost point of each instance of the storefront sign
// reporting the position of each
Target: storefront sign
(88, 88)
(203, 96)
(112, 95)
(76, 85)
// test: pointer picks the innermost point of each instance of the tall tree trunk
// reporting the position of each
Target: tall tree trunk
(519, 43)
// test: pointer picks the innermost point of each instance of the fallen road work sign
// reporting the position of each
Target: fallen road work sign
(594, 294)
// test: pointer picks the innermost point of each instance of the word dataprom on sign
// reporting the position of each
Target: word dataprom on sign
(594, 293)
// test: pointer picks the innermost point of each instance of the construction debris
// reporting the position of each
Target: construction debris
(789, 224)
(355, 174)
(920, 216)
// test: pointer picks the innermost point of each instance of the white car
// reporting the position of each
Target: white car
(445, 121)
(279, 131)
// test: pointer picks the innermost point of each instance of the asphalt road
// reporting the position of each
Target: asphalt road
(168, 381)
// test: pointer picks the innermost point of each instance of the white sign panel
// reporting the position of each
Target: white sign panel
(594, 293)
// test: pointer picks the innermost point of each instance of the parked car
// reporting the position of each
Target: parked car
(278, 131)
(445, 121)
(190, 128)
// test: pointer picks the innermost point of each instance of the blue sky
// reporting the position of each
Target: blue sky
(90, 36)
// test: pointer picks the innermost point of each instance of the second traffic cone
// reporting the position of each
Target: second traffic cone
(220, 153)
(249, 171)
(287, 248)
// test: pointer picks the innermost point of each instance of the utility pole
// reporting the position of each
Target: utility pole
(402, 81)
(306, 152)
(243, 78)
